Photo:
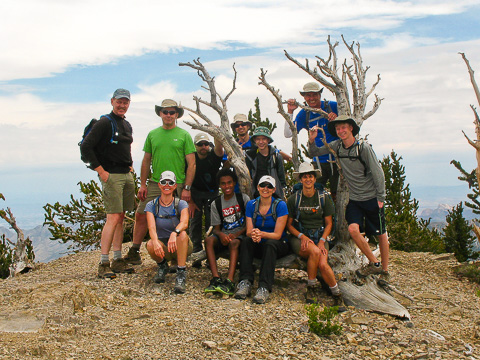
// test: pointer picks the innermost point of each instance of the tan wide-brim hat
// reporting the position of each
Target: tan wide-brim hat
(169, 103)
(306, 168)
(240, 118)
(311, 87)
(343, 119)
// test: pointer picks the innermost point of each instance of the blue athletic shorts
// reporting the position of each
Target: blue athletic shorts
(368, 215)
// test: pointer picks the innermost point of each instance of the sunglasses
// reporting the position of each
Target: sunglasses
(236, 125)
(167, 182)
(200, 144)
(266, 185)
(169, 112)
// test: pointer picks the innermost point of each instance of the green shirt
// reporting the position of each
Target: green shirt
(168, 149)
(311, 211)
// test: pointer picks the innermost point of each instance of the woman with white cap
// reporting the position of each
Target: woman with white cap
(167, 219)
(266, 218)
(309, 223)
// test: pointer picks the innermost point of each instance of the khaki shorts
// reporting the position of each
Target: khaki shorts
(296, 243)
(118, 193)
(173, 256)
(153, 191)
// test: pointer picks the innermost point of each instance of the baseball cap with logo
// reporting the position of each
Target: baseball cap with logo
(201, 137)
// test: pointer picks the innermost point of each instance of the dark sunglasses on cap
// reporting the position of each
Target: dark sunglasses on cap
(266, 185)
(203, 143)
(167, 182)
(169, 112)
(237, 124)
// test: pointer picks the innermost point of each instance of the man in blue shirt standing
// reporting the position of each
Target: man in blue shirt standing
(306, 119)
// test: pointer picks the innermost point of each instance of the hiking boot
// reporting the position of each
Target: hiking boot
(173, 267)
(161, 273)
(370, 269)
(180, 281)
(261, 296)
(105, 272)
(385, 275)
(121, 266)
(311, 294)
(227, 287)
(214, 283)
(338, 301)
(244, 289)
(133, 257)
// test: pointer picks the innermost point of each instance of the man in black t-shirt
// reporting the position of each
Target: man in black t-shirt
(204, 186)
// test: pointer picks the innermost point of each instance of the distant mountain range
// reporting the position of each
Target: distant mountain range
(45, 249)
(439, 214)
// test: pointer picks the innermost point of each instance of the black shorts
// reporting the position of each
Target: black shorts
(219, 247)
(367, 215)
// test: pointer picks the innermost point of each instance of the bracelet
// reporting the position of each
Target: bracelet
(322, 239)
(299, 235)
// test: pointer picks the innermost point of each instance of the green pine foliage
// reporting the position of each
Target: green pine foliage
(472, 181)
(406, 231)
(6, 257)
(458, 237)
(321, 322)
(80, 222)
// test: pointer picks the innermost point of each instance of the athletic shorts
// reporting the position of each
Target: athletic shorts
(296, 244)
(153, 191)
(367, 215)
(118, 193)
(173, 256)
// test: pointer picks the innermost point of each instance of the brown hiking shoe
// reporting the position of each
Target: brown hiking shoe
(104, 271)
(312, 294)
(338, 301)
(370, 269)
(133, 257)
(121, 266)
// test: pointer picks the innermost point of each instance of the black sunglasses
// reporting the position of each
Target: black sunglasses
(169, 112)
(240, 124)
(200, 144)
(167, 182)
(266, 184)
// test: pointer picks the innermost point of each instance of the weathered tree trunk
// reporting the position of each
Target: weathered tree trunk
(222, 132)
(475, 144)
(21, 262)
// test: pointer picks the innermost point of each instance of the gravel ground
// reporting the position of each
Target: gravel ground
(66, 312)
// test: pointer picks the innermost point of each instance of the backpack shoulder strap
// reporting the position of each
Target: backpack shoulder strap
(298, 199)
(218, 205)
(176, 201)
(274, 208)
(156, 207)
(360, 144)
(255, 210)
(241, 203)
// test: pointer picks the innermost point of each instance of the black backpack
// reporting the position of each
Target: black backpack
(218, 204)
(357, 156)
(113, 139)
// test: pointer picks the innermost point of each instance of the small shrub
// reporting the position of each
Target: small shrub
(321, 322)
(477, 292)
(469, 271)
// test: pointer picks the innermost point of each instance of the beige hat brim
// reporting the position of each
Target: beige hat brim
(159, 108)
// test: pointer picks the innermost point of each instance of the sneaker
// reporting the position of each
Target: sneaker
(261, 296)
(311, 294)
(180, 281)
(244, 289)
(227, 287)
(161, 273)
(338, 301)
(121, 266)
(370, 269)
(105, 272)
(213, 285)
(133, 257)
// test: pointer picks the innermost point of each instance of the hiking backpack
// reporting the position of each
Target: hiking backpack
(256, 212)
(357, 156)
(218, 204)
(156, 209)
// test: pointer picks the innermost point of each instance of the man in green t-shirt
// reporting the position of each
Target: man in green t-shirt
(167, 147)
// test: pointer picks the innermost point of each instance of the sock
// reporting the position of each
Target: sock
(136, 246)
(117, 254)
(311, 282)
(335, 290)
(104, 258)
(377, 264)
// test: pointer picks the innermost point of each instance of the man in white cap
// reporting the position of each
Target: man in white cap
(204, 186)
(312, 93)
(167, 147)
(366, 185)
(107, 147)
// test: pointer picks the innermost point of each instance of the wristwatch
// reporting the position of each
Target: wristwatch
(187, 187)
(177, 231)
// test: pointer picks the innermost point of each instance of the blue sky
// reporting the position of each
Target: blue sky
(61, 61)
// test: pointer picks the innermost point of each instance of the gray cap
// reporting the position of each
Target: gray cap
(268, 179)
(121, 94)
(168, 175)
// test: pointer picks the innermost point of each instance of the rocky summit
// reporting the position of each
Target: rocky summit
(63, 311)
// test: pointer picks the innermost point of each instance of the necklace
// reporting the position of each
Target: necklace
(165, 205)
